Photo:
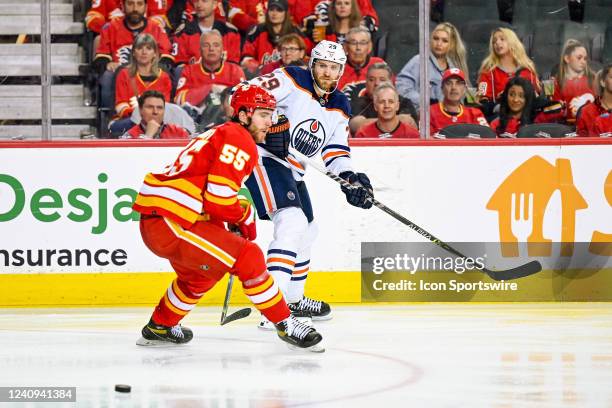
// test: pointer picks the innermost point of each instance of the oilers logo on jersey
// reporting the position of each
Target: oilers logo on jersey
(308, 137)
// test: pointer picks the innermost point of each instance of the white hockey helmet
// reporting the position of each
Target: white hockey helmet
(328, 51)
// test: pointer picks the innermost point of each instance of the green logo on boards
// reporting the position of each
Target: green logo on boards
(48, 205)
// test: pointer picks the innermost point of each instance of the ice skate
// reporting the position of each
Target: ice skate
(157, 335)
(302, 315)
(299, 335)
(317, 309)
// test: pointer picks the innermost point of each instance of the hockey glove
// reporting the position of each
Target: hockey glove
(277, 140)
(246, 224)
(362, 189)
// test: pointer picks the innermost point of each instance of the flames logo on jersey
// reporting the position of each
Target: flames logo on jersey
(308, 137)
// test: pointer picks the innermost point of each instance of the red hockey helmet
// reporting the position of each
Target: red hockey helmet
(251, 97)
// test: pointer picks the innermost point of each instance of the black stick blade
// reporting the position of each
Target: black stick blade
(522, 271)
(240, 314)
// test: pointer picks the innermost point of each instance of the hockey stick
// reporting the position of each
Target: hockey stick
(527, 269)
(240, 314)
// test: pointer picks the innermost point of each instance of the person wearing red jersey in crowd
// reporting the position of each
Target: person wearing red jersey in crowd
(253, 12)
(517, 108)
(595, 118)
(358, 47)
(209, 75)
(260, 45)
(332, 20)
(388, 123)
(292, 49)
(451, 109)
(363, 105)
(574, 84)
(100, 13)
(152, 106)
(183, 214)
(186, 49)
(141, 74)
(507, 58)
(115, 46)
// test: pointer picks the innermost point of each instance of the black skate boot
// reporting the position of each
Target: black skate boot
(154, 334)
(318, 309)
(300, 335)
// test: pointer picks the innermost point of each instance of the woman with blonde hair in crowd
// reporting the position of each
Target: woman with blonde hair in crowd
(575, 81)
(507, 58)
(447, 51)
(141, 74)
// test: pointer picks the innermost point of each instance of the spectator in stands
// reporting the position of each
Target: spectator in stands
(518, 107)
(142, 73)
(363, 106)
(595, 118)
(187, 44)
(387, 124)
(100, 13)
(358, 47)
(255, 11)
(451, 110)
(574, 84)
(447, 51)
(292, 50)
(116, 45)
(210, 74)
(152, 106)
(507, 58)
(333, 19)
(260, 45)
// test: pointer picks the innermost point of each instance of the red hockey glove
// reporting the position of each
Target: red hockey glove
(246, 225)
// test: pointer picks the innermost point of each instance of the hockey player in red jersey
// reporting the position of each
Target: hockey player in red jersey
(183, 210)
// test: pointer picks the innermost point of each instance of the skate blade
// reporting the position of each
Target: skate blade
(155, 343)
(317, 348)
(322, 318)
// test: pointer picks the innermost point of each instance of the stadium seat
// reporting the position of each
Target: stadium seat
(606, 55)
(597, 11)
(467, 130)
(546, 49)
(463, 13)
(590, 34)
(399, 34)
(545, 130)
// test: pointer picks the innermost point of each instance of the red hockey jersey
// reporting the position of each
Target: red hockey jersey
(439, 118)
(575, 93)
(116, 40)
(491, 84)
(128, 89)
(401, 131)
(186, 47)
(261, 48)
(353, 76)
(593, 120)
(196, 82)
(205, 178)
(103, 11)
(166, 131)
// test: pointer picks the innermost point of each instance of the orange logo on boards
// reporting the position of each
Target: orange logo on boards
(521, 201)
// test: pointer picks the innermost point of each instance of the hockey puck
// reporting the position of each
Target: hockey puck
(123, 388)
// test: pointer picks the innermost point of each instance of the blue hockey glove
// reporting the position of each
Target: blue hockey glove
(358, 195)
(277, 140)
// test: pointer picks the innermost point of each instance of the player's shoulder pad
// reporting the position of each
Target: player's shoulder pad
(338, 100)
(299, 75)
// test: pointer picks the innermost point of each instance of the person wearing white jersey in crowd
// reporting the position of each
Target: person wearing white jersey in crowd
(313, 121)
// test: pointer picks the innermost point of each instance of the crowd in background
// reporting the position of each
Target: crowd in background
(191, 52)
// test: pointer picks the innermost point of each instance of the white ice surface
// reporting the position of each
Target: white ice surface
(425, 355)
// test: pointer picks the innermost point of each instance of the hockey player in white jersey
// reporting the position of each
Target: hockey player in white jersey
(318, 117)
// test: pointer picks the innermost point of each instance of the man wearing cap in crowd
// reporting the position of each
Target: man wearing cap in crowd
(451, 109)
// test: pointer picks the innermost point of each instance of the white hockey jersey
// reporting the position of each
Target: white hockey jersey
(317, 125)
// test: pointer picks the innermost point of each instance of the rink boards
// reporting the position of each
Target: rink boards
(69, 236)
